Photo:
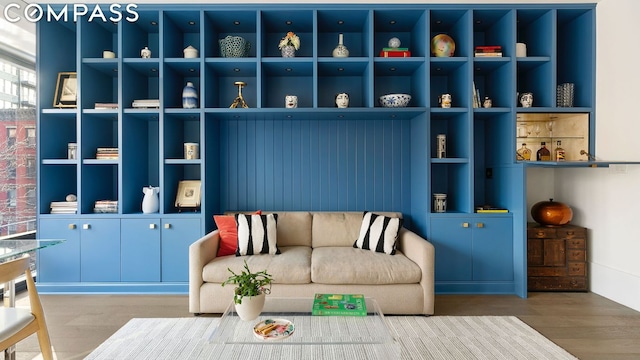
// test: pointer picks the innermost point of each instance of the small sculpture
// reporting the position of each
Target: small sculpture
(239, 100)
(394, 42)
(487, 103)
(145, 53)
(526, 100)
(190, 52)
(290, 101)
(342, 100)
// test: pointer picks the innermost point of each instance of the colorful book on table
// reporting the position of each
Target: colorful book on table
(339, 305)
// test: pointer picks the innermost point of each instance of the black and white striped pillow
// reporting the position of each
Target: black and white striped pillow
(378, 233)
(257, 234)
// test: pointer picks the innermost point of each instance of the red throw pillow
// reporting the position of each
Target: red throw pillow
(228, 233)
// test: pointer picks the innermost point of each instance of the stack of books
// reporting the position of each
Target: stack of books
(103, 106)
(395, 52)
(488, 51)
(339, 305)
(146, 103)
(106, 206)
(64, 207)
(104, 153)
(488, 209)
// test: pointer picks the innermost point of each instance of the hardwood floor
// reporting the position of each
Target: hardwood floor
(585, 324)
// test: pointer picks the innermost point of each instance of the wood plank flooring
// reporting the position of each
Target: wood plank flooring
(587, 325)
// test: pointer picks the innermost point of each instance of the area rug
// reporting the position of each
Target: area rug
(435, 337)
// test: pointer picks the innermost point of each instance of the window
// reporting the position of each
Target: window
(31, 167)
(11, 169)
(31, 136)
(31, 197)
(11, 136)
(12, 199)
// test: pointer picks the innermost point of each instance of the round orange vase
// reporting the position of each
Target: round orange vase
(551, 213)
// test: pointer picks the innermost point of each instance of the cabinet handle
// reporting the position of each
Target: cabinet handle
(86, 226)
(480, 225)
(465, 224)
(540, 233)
(72, 226)
(569, 232)
(167, 226)
(152, 226)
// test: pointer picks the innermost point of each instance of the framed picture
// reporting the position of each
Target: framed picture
(188, 195)
(66, 90)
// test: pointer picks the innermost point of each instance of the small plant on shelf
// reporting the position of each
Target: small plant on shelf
(248, 283)
(291, 39)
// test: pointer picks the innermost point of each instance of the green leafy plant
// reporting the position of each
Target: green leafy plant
(248, 283)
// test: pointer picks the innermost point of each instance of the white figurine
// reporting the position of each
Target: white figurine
(342, 100)
(290, 101)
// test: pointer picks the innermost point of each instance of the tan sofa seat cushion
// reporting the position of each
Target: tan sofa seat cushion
(348, 265)
(339, 228)
(292, 266)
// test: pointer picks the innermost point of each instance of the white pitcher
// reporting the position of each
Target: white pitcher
(150, 202)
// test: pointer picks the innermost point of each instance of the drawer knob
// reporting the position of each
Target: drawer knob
(86, 226)
(570, 233)
(72, 226)
(152, 226)
(167, 226)
(480, 225)
(540, 233)
(465, 224)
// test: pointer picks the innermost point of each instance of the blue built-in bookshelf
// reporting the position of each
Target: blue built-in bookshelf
(315, 157)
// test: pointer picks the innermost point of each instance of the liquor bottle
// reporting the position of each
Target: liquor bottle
(543, 153)
(559, 151)
(524, 152)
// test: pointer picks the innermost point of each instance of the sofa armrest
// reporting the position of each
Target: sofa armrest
(422, 252)
(201, 252)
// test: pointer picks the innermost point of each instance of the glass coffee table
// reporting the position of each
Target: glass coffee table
(370, 334)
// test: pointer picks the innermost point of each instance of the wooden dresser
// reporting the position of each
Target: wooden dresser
(557, 258)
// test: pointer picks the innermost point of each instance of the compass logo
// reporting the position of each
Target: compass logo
(96, 12)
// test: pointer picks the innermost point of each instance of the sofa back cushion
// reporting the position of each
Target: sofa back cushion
(294, 227)
(339, 228)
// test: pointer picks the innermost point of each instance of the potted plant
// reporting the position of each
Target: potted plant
(250, 291)
(289, 44)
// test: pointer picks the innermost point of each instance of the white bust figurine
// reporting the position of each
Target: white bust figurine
(290, 101)
(342, 100)
(526, 100)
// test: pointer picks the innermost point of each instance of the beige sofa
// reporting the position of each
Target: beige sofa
(317, 256)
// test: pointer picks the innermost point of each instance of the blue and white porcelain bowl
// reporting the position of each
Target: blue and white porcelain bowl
(395, 100)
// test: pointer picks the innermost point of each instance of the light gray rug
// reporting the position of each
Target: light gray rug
(435, 337)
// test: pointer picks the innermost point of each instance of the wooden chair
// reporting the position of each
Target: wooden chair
(16, 324)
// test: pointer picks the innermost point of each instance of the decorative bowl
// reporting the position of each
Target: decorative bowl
(442, 45)
(234, 47)
(551, 213)
(395, 100)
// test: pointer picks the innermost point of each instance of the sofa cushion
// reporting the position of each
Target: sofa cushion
(292, 266)
(339, 228)
(294, 227)
(257, 234)
(348, 265)
(228, 234)
(378, 233)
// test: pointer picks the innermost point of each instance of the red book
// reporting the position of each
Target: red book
(395, 53)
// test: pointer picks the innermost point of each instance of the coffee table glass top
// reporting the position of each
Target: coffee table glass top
(10, 249)
(371, 330)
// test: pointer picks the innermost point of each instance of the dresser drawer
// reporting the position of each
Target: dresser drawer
(557, 284)
(539, 232)
(577, 269)
(571, 232)
(576, 243)
(576, 255)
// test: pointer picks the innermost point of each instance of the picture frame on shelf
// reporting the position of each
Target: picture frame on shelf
(66, 95)
(188, 195)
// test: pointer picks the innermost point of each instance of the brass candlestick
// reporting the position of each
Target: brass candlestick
(239, 100)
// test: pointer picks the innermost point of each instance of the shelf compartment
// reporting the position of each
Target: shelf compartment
(494, 27)
(275, 24)
(455, 126)
(350, 76)
(400, 77)
(282, 78)
(99, 182)
(451, 179)
(180, 29)
(144, 32)
(177, 130)
(535, 28)
(220, 76)
(140, 78)
(456, 24)
(176, 75)
(354, 25)
(63, 124)
(220, 24)
(536, 78)
(103, 72)
(491, 79)
(97, 36)
(409, 26)
(65, 59)
(65, 183)
(576, 38)
(97, 131)
(570, 128)
(173, 174)
(450, 77)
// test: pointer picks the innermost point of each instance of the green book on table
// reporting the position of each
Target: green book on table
(339, 305)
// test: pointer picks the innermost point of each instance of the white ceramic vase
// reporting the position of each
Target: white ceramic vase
(340, 50)
(189, 96)
(150, 202)
(251, 307)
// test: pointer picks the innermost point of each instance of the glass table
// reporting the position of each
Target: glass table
(335, 332)
(12, 249)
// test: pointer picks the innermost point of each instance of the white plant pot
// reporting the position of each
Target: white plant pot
(251, 307)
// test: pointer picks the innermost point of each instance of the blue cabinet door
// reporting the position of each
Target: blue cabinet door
(451, 237)
(140, 249)
(492, 249)
(177, 235)
(100, 250)
(59, 263)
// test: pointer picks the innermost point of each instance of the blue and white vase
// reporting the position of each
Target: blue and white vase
(189, 96)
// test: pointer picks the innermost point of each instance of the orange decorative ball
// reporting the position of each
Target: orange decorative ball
(551, 213)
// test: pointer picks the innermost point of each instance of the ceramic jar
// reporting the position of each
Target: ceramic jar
(145, 53)
(342, 100)
(234, 47)
(551, 213)
(290, 101)
(445, 101)
(150, 202)
(189, 96)
(190, 52)
(340, 50)
(288, 51)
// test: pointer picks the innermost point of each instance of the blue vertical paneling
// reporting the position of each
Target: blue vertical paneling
(290, 164)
